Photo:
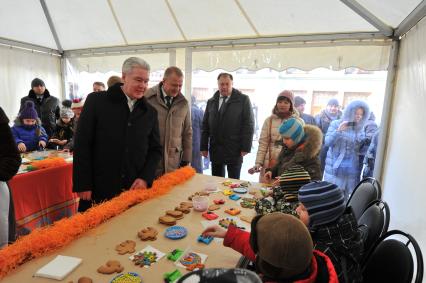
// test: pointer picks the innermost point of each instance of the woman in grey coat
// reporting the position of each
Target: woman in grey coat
(343, 139)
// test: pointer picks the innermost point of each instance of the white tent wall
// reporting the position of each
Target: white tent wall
(367, 55)
(79, 70)
(404, 181)
(18, 68)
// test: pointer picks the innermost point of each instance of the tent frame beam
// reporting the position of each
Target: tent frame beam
(411, 20)
(380, 162)
(28, 46)
(369, 17)
(51, 25)
(228, 42)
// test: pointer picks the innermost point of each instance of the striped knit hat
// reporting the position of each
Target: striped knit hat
(324, 202)
(292, 128)
(294, 177)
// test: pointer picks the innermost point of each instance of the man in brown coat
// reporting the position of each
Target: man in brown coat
(173, 119)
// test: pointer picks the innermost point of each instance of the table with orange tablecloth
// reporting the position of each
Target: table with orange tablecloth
(43, 196)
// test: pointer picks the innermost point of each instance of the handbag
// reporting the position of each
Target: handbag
(272, 161)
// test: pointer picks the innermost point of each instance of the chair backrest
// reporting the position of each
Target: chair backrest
(375, 222)
(367, 191)
(391, 260)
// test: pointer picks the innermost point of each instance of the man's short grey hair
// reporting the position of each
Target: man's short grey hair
(134, 62)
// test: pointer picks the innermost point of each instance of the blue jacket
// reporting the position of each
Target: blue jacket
(344, 146)
(197, 125)
(30, 137)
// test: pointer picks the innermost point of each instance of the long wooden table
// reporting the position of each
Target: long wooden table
(97, 246)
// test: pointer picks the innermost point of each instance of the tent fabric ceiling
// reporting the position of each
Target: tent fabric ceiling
(82, 24)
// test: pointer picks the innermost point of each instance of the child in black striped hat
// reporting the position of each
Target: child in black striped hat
(284, 194)
(333, 227)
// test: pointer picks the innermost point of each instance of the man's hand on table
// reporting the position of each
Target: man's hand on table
(87, 195)
(205, 153)
(214, 231)
(139, 184)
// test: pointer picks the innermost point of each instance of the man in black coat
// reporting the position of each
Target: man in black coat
(47, 106)
(10, 160)
(228, 128)
(117, 145)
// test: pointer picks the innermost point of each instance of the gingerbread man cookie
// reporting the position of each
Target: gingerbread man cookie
(125, 247)
(148, 234)
(202, 193)
(110, 267)
(187, 204)
(183, 209)
(85, 280)
(174, 213)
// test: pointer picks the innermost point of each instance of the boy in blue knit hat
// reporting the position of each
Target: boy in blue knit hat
(28, 133)
(302, 144)
(333, 227)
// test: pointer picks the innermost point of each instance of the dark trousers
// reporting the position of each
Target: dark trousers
(218, 169)
(84, 205)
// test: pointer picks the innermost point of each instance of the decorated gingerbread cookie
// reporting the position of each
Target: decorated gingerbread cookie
(110, 267)
(248, 202)
(214, 207)
(233, 211)
(125, 247)
(148, 234)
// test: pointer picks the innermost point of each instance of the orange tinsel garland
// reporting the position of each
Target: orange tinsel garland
(44, 240)
(48, 162)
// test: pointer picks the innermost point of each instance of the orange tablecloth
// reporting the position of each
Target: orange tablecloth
(43, 196)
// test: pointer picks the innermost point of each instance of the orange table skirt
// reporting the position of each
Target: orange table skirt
(43, 196)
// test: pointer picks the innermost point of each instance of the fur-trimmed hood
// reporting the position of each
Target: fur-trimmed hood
(349, 113)
(33, 95)
(313, 141)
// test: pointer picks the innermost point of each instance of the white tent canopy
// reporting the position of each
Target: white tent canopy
(80, 24)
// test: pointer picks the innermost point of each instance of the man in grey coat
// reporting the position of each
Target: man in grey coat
(174, 120)
(228, 127)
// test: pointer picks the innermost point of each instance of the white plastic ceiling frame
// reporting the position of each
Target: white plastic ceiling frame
(392, 12)
(273, 17)
(122, 24)
(24, 21)
(82, 23)
(206, 19)
(144, 21)
(370, 56)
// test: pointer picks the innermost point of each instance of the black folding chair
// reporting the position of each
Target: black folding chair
(367, 191)
(374, 222)
(392, 260)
